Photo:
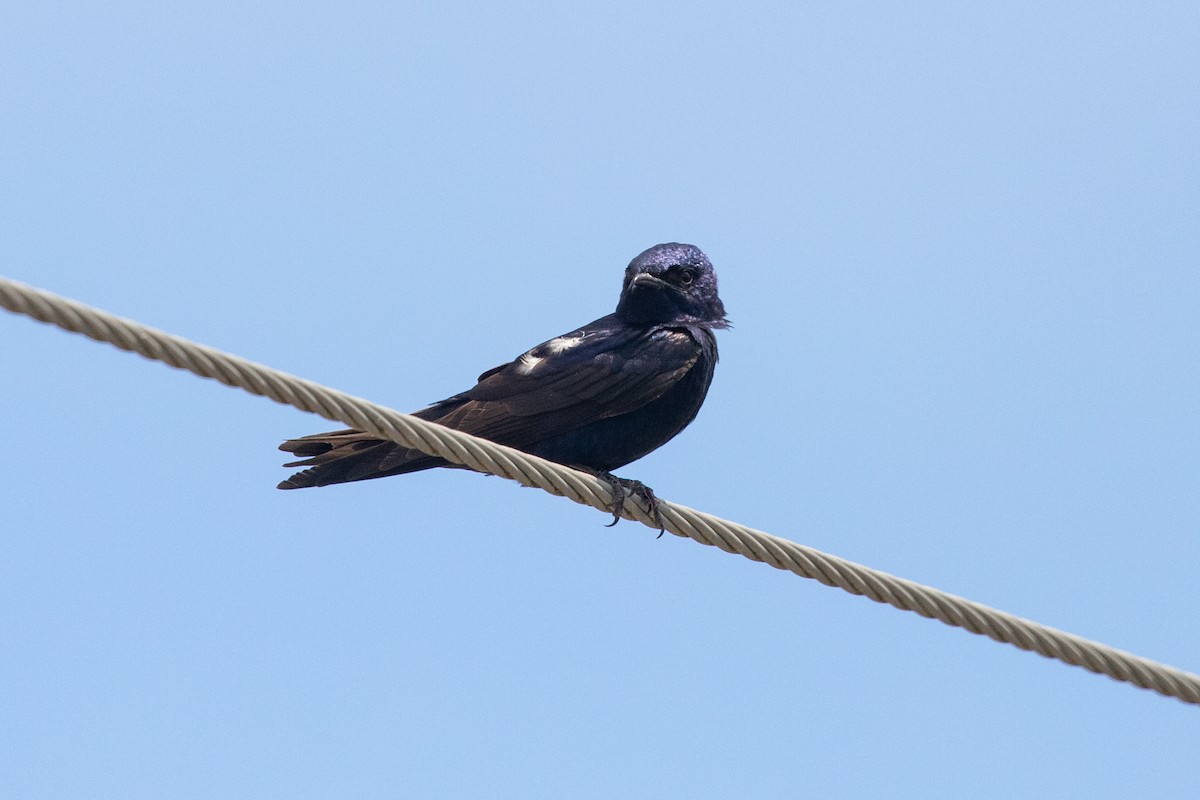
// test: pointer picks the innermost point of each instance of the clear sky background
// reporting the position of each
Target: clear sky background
(959, 246)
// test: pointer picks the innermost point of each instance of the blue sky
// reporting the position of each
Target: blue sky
(959, 246)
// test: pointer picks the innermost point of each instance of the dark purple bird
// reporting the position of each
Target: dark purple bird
(596, 398)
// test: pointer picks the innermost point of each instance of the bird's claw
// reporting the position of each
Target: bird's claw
(622, 489)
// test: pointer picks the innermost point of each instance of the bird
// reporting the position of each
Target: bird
(596, 398)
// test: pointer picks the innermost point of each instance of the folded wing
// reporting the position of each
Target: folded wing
(605, 369)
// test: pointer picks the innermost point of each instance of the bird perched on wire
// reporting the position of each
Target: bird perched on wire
(596, 398)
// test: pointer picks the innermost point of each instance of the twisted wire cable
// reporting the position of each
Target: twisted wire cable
(486, 456)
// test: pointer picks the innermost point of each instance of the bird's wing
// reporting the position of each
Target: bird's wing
(603, 370)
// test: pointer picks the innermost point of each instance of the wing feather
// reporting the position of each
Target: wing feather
(606, 377)
(605, 369)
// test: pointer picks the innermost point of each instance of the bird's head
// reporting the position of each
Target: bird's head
(671, 283)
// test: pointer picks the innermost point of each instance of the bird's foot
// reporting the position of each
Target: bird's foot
(622, 489)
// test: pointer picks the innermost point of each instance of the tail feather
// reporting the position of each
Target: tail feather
(350, 455)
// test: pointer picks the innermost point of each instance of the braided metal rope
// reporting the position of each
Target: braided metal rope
(487, 456)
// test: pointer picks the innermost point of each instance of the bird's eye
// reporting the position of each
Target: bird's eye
(687, 277)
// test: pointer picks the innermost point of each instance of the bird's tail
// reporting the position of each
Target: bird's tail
(350, 455)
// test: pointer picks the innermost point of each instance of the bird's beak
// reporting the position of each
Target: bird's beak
(647, 280)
